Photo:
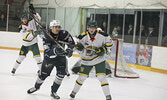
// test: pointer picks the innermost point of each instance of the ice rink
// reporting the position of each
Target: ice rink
(150, 85)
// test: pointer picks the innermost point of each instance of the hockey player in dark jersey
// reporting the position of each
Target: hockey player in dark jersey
(54, 56)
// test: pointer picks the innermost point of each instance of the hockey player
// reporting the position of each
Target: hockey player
(75, 69)
(28, 29)
(92, 46)
(54, 56)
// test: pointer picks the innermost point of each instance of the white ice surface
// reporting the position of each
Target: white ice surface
(150, 85)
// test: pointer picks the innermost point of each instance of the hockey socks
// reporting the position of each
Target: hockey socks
(105, 86)
(38, 60)
(78, 85)
(17, 63)
(55, 87)
(38, 83)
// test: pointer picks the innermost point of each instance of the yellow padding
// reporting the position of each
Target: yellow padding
(83, 74)
(39, 63)
(108, 45)
(80, 83)
(100, 74)
(22, 55)
(104, 49)
(37, 56)
(102, 84)
(88, 59)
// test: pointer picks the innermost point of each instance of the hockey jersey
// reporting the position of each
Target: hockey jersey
(49, 46)
(88, 55)
(27, 30)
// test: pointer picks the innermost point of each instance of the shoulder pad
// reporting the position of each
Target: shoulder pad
(20, 27)
(102, 33)
(63, 31)
(82, 35)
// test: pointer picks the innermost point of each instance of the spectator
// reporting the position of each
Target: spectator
(150, 36)
(116, 31)
(104, 27)
(143, 34)
(143, 30)
(130, 30)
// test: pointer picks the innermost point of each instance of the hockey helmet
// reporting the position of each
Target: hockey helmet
(54, 23)
(24, 16)
(92, 23)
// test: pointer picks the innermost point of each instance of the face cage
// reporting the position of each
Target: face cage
(51, 27)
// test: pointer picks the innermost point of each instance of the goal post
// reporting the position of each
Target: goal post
(120, 68)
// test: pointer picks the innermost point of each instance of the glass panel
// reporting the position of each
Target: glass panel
(102, 20)
(51, 14)
(164, 38)
(139, 26)
(116, 23)
(129, 25)
(3, 17)
(15, 13)
(43, 15)
(90, 16)
(101, 17)
(151, 23)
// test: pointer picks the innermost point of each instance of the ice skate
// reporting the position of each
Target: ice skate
(72, 95)
(54, 95)
(32, 90)
(13, 71)
(108, 97)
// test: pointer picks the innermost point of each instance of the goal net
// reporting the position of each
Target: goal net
(118, 64)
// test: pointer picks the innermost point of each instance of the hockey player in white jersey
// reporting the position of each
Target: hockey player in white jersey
(28, 30)
(92, 46)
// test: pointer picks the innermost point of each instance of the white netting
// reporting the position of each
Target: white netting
(121, 69)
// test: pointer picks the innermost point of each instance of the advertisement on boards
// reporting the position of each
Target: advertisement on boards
(144, 55)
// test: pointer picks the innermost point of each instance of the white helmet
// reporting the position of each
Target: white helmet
(54, 23)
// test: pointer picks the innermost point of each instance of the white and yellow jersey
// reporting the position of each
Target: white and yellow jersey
(88, 55)
(27, 31)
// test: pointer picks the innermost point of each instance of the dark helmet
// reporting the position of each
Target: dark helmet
(24, 16)
(92, 23)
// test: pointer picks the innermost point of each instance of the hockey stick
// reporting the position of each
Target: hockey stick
(46, 33)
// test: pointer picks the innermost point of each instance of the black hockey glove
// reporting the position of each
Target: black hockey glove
(59, 51)
(31, 9)
(100, 51)
(79, 46)
(69, 52)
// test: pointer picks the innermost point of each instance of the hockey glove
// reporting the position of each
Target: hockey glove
(31, 9)
(100, 51)
(35, 33)
(59, 51)
(69, 52)
(79, 46)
